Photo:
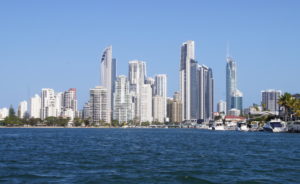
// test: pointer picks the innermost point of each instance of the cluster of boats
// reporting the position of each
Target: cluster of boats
(275, 125)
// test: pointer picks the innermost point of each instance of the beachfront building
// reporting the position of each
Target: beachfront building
(160, 89)
(202, 92)
(35, 106)
(146, 103)
(174, 108)
(123, 106)
(48, 103)
(159, 109)
(108, 75)
(137, 77)
(70, 103)
(4, 112)
(234, 97)
(187, 56)
(22, 109)
(99, 110)
(86, 111)
(269, 100)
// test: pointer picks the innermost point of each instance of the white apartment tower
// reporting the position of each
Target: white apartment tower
(59, 104)
(161, 90)
(159, 109)
(146, 103)
(35, 106)
(70, 102)
(48, 103)
(98, 104)
(136, 77)
(3, 113)
(123, 107)
(187, 55)
(22, 109)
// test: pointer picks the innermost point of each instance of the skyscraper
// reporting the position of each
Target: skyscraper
(231, 86)
(202, 92)
(59, 104)
(123, 109)
(70, 101)
(146, 103)
(237, 100)
(159, 108)
(108, 75)
(48, 107)
(137, 77)
(160, 89)
(35, 106)
(187, 55)
(99, 110)
(270, 100)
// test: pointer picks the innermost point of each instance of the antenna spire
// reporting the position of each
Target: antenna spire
(227, 49)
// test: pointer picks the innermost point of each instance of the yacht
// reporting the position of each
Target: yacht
(275, 125)
(294, 126)
(218, 125)
(242, 126)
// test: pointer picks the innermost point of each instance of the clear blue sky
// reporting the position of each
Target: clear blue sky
(57, 44)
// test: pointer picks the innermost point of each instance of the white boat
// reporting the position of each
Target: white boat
(218, 125)
(294, 126)
(242, 126)
(275, 125)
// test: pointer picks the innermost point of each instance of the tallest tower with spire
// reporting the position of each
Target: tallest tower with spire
(232, 93)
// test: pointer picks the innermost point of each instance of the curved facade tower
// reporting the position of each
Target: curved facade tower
(108, 72)
(230, 81)
(234, 98)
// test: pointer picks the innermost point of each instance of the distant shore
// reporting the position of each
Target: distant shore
(51, 127)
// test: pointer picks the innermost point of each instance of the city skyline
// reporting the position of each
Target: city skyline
(43, 57)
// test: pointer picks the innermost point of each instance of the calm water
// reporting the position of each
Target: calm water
(147, 156)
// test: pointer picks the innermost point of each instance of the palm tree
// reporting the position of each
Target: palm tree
(296, 108)
(286, 102)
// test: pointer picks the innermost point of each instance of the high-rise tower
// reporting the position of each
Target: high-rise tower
(187, 55)
(160, 89)
(233, 96)
(137, 77)
(108, 75)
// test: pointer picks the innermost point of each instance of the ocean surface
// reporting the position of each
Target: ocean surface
(147, 156)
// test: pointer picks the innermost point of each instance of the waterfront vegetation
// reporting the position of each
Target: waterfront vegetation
(289, 105)
(14, 121)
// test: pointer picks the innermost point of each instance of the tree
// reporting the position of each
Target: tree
(51, 121)
(147, 123)
(78, 122)
(87, 122)
(286, 101)
(115, 123)
(12, 112)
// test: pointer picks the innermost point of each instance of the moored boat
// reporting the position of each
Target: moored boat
(218, 125)
(242, 126)
(275, 125)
